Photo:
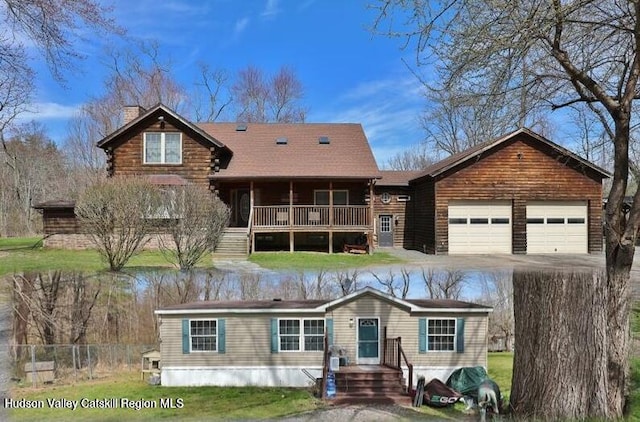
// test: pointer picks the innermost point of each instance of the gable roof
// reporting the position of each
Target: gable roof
(257, 154)
(318, 306)
(397, 177)
(475, 151)
(158, 110)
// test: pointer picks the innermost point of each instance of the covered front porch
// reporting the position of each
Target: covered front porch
(299, 215)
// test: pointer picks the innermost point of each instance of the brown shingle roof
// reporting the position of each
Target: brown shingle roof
(456, 159)
(317, 305)
(397, 178)
(55, 204)
(257, 155)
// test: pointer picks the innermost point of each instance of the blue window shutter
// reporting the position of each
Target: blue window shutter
(329, 323)
(274, 335)
(221, 336)
(185, 336)
(422, 335)
(460, 335)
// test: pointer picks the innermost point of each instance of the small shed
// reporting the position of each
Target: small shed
(150, 362)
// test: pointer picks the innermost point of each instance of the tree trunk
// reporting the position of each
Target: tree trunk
(619, 260)
(560, 363)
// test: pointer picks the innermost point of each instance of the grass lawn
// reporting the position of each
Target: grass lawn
(26, 254)
(319, 261)
(199, 403)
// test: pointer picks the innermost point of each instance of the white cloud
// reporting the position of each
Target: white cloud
(50, 111)
(388, 110)
(271, 9)
(241, 25)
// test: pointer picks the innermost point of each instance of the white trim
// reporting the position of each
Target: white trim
(191, 337)
(455, 335)
(367, 361)
(301, 334)
(239, 376)
(163, 147)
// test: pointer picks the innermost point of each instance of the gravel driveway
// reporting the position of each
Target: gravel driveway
(363, 413)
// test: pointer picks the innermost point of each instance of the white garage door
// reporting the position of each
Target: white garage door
(480, 227)
(557, 227)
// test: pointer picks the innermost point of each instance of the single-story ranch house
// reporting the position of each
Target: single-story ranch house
(315, 186)
(273, 343)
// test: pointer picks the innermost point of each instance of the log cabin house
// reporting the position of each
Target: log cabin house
(316, 186)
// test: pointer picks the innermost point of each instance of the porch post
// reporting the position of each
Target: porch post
(252, 235)
(330, 216)
(371, 216)
(291, 234)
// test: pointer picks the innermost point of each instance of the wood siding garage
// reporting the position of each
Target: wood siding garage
(480, 227)
(557, 227)
(521, 169)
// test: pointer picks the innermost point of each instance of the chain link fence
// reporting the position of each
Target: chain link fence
(39, 364)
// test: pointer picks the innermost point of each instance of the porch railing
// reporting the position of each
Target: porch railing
(311, 216)
(394, 356)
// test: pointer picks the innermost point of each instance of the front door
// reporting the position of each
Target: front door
(385, 230)
(240, 207)
(368, 341)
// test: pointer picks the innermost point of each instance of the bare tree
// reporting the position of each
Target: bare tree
(211, 96)
(52, 26)
(118, 216)
(347, 281)
(556, 55)
(259, 99)
(447, 284)
(286, 91)
(418, 157)
(395, 289)
(33, 170)
(497, 292)
(195, 220)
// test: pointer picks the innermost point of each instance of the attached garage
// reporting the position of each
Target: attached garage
(557, 227)
(480, 227)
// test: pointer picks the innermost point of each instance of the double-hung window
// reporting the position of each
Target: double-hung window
(162, 148)
(204, 335)
(441, 334)
(295, 335)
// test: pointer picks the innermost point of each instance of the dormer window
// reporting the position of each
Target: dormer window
(162, 148)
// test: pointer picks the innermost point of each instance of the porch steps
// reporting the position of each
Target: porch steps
(233, 243)
(370, 384)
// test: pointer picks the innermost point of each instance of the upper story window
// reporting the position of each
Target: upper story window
(162, 148)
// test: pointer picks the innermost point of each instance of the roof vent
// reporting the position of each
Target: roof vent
(241, 128)
(324, 140)
(282, 141)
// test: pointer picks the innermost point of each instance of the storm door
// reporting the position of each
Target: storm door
(368, 341)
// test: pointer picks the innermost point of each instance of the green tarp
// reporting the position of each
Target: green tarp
(467, 380)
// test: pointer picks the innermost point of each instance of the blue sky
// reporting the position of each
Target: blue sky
(349, 74)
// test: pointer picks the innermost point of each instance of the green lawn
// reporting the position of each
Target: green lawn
(319, 261)
(205, 403)
(27, 254)
(199, 403)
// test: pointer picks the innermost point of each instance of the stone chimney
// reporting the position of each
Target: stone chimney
(132, 113)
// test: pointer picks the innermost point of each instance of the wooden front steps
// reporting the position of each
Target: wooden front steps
(374, 384)
(233, 243)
